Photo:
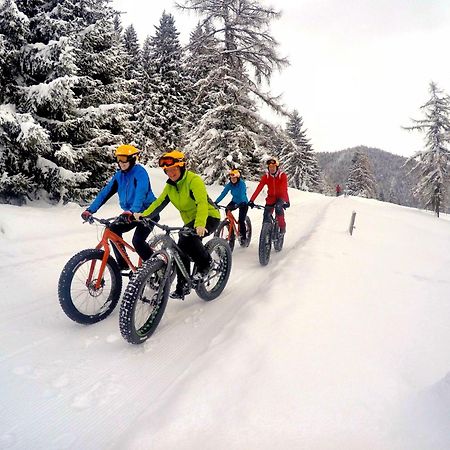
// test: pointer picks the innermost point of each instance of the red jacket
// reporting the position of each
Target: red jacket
(277, 187)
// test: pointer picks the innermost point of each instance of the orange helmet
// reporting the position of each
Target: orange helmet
(173, 158)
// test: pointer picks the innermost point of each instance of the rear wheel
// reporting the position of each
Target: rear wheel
(214, 283)
(79, 297)
(226, 232)
(144, 302)
(248, 237)
(278, 238)
(265, 243)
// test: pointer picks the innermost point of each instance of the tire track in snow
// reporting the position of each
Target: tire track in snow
(139, 375)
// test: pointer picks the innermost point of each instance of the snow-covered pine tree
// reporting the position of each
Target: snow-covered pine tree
(227, 136)
(14, 31)
(301, 163)
(163, 110)
(360, 181)
(202, 56)
(134, 64)
(25, 146)
(433, 162)
(70, 82)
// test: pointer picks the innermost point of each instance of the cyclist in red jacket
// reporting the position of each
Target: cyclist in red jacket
(277, 196)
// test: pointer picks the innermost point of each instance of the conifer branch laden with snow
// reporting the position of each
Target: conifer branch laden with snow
(361, 181)
(433, 161)
(242, 53)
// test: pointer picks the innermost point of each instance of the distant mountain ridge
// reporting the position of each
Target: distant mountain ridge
(392, 174)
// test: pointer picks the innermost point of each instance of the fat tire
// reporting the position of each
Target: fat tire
(133, 294)
(265, 243)
(248, 237)
(66, 280)
(221, 269)
(223, 231)
(158, 242)
(278, 239)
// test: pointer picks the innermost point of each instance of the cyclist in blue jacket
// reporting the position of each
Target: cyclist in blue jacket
(239, 199)
(132, 183)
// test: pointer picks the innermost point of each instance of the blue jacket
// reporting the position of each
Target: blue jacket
(134, 189)
(238, 192)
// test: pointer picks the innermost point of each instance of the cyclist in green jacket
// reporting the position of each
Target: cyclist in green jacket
(187, 192)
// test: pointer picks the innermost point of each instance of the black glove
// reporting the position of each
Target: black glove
(251, 204)
(127, 217)
(86, 216)
(286, 205)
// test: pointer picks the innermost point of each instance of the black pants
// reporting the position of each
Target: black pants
(139, 239)
(243, 209)
(279, 213)
(193, 247)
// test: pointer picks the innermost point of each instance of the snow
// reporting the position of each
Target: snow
(341, 342)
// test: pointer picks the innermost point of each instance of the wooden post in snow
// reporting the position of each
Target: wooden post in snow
(352, 223)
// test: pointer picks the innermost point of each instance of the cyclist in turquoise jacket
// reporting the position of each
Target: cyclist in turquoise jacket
(132, 184)
(239, 199)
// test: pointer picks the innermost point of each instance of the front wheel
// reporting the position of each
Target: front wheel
(158, 243)
(226, 231)
(144, 301)
(265, 243)
(82, 299)
(216, 279)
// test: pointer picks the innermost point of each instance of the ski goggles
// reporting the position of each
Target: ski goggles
(272, 162)
(123, 158)
(169, 161)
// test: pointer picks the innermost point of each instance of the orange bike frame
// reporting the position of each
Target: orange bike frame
(110, 236)
(233, 224)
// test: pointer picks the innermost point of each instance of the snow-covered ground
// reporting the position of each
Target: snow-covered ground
(341, 342)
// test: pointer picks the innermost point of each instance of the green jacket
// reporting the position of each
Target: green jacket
(189, 196)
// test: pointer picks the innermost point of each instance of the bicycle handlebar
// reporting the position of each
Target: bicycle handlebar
(168, 229)
(263, 207)
(107, 222)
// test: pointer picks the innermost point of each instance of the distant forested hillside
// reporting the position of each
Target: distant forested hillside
(394, 182)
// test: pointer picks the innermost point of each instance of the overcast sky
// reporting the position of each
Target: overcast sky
(359, 69)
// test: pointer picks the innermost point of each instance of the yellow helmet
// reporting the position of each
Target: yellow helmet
(173, 158)
(234, 173)
(126, 150)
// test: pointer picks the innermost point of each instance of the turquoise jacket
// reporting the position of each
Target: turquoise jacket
(238, 192)
(134, 189)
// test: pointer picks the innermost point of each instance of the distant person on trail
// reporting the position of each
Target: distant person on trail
(239, 199)
(277, 196)
(132, 183)
(187, 192)
(338, 190)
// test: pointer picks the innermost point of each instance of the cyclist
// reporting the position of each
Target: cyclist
(277, 196)
(132, 183)
(187, 192)
(239, 199)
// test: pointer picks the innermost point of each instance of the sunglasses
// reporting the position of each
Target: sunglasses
(122, 158)
(167, 161)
